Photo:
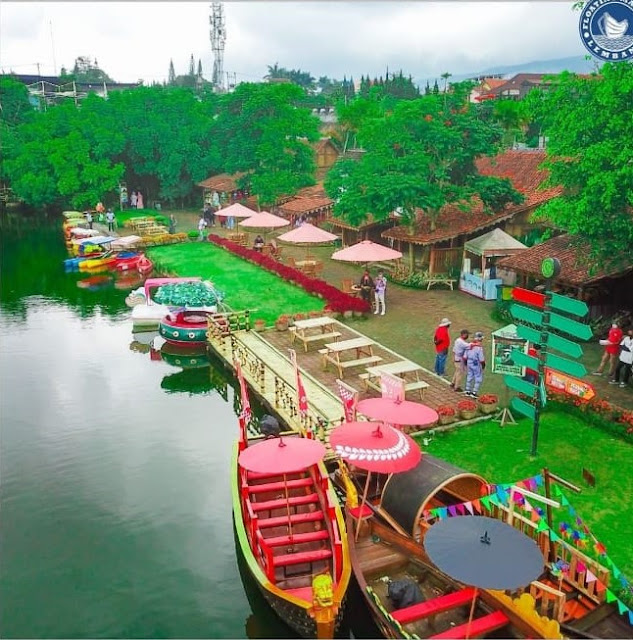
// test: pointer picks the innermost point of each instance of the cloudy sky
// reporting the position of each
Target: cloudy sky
(136, 40)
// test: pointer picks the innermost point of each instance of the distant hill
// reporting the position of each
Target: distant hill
(576, 64)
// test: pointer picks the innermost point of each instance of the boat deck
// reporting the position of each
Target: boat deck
(267, 367)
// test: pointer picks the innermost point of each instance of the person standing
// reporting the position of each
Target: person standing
(89, 219)
(611, 350)
(442, 341)
(139, 200)
(202, 223)
(475, 365)
(172, 223)
(459, 349)
(110, 217)
(133, 199)
(380, 286)
(366, 286)
(625, 361)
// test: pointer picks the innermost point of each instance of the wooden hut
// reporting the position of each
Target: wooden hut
(310, 202)
(604, 289)
(439, 248)
(478, 276)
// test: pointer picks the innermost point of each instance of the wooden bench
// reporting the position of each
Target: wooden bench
(434, 606)
(298, 538)
(447, 281)
(334, 335)
(295, 518)
(345, 364)
(305, 557)
(478, 627)
(280, 486)
(282, 503)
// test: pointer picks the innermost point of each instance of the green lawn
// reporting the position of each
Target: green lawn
(246, 285)
(566, 445)
(127, 214)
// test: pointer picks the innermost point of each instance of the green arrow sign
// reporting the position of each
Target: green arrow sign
(569, 305)
(523, 360)
(573, 328)
(567, 347)
(520, 385)
(523, 407)
(566, 366)
(519, 312)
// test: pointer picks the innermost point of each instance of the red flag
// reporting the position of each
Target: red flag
(246, 413)
(349, 398)
(392, 387)
(301, 392)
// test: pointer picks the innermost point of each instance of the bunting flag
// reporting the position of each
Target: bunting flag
(302, 399)
(349, 398)
(622, 608)
(392, 387)
(631, 617)
(469, 508)
(590, 577)
(246, 414)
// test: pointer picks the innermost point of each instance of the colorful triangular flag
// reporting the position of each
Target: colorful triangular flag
(590, 577)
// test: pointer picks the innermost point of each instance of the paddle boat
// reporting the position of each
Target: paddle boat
(185, 328)
(389, 555)
(147, 313)
(144, 265)
(127, 260)
(290, 529)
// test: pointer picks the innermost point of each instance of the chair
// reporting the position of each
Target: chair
(290, 261)
(309, 270)
(267, 250)
(346, 286)
(318, 267)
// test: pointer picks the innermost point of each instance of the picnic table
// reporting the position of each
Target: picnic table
(363, 348)
(371, 379)
(301, 328)
(430, 281)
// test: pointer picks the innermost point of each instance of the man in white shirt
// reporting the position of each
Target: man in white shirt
(459, 348)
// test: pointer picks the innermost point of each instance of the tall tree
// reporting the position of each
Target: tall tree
(192, 68)
(263, 133)
(419, 158)
(590, 128)
(199, 74)
(171, 78)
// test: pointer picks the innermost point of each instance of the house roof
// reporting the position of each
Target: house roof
(572, 252)
(222, 182)
(520, 166)
(494, 243)
(518, 81)
(305, 204)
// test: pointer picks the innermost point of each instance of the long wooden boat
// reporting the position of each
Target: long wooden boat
(390, 548)
(304, 578)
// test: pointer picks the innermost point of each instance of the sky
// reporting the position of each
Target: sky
(136, 40)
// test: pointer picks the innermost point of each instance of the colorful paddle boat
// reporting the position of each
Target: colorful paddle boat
(185, 328)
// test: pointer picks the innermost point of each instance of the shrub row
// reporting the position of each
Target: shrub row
(336, 299)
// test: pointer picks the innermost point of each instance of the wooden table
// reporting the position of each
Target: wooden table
(364, 354)
(371, 379)
(301, 328)
(447, 281)
(305, 263)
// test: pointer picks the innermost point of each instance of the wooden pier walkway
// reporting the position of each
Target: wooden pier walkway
(267, 368)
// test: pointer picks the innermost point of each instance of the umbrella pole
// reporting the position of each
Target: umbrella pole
(362, 505)
(472, 613)
(288, 509)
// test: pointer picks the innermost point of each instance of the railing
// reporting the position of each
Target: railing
(550, 601)
(266, 554)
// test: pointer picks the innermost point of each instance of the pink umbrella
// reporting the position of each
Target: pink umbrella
(264, 220)
(237, 210)
(366, 251)
(374, 447)
(404, 412)
(307, 234)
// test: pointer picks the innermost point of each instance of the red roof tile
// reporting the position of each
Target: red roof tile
(520, 166)
(572, 253)
(222, 182)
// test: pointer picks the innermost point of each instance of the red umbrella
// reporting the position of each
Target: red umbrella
(404, 412)
(366, 251)
(279, 455)
(374, 447)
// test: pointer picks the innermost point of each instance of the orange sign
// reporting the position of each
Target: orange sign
(563, 383)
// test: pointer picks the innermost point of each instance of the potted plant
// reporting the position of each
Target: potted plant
(446, 414)
(488, 403)
(299, 316)
(467, 409)
(259, 324)
(315, 314)
(282, 322)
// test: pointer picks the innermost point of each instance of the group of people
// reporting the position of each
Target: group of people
(378, 287)
(468, 357)
(103, 216)
(136, 200)
(618, 353)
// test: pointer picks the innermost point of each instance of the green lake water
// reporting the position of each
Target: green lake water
(116, 508)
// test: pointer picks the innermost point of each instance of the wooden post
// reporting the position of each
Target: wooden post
(432, 261)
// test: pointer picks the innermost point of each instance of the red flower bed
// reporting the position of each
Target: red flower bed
(336, 299)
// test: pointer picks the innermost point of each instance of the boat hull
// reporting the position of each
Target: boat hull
(181, 332)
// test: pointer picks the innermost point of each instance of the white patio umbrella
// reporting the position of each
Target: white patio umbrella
(307, 234)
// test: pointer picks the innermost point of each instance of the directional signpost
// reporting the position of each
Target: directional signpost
(553, 370)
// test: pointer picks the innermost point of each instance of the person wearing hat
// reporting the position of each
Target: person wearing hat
(459, 349)
(442, 341)
(475, 365)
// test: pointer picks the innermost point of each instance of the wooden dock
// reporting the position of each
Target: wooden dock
(266, 364)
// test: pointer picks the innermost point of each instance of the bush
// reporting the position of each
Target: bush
(192, 235)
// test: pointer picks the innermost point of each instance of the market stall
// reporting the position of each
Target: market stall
(479, 273)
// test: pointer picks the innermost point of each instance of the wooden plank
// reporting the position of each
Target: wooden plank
(312, 323)
(354, 343)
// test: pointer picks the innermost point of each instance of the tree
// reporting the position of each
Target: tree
(85, 70)
(171, 77)
(419, 158)
(263, 133)
(590, 129)
(192, 69)
(199, 74)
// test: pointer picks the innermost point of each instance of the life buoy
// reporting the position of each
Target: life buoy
(144, 264)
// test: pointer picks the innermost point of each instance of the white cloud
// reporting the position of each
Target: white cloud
(137, 40)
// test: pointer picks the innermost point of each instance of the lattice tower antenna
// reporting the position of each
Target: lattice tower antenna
(218, 39)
